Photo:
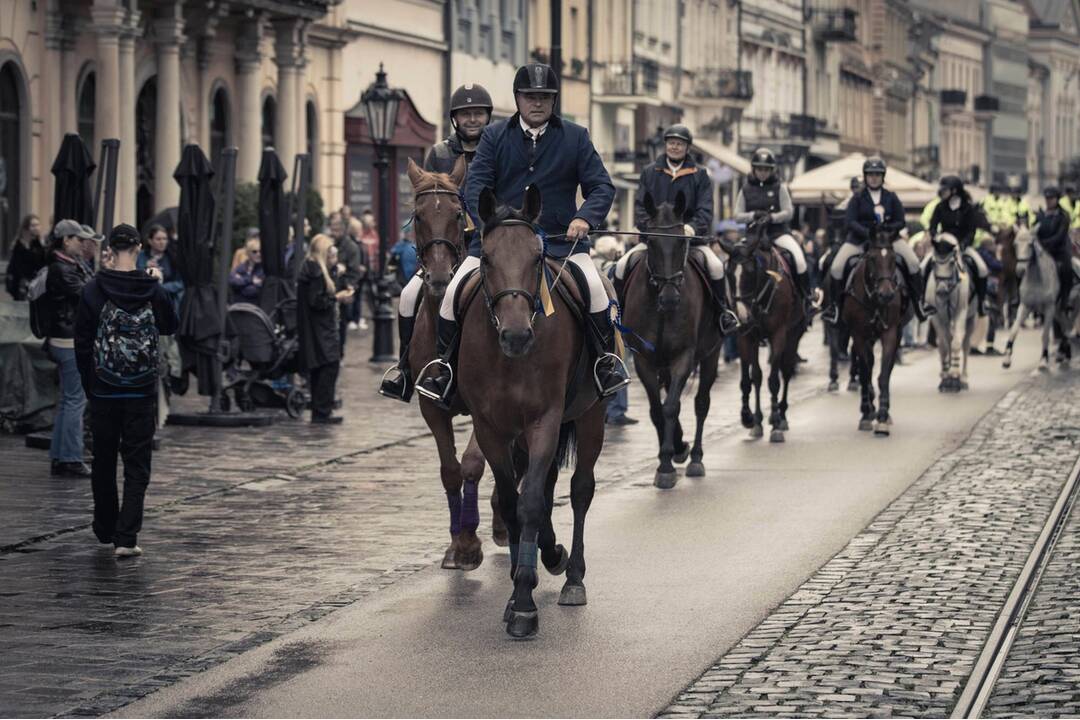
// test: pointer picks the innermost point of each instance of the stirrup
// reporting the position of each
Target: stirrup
(405, 395)
(831, 314)
(436, 398)
(607, 392)
(729, 321)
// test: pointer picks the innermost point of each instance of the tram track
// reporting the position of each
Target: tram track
(976, 693)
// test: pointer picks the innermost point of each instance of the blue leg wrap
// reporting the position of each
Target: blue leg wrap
(454, 501)
(470, 510)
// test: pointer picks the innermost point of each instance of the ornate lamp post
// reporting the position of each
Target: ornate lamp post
(381, 102)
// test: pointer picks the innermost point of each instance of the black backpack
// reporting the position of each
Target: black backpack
(126, 346)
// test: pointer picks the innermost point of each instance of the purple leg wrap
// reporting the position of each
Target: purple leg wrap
(470, 510)
(454, 501)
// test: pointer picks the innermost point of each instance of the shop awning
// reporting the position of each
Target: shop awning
(831, 184)
(728, 157)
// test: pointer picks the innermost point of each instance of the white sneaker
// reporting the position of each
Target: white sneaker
(353, 326)
(363, 324)
(126, 552)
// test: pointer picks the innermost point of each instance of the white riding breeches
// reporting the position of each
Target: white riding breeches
(446, 310)
(713, 264)
(792, 246)
(410, 296)
(849, 250)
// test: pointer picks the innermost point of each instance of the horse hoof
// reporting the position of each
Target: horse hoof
(509, 611)
(757, 431)
(963, 385)
(469, 561)
(695, 469)
(747, 420)
(572, 595)
(834, 386)
(1006, 364)
(560, 566)
(783, 425)
(881, 429)
(866, 425)
(522, 625)
(682, 456)
(776, 436)
(449, 561)
(665, 480)
(501, 538)
(853, 386)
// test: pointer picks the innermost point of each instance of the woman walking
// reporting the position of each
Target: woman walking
(28, 255)
(317, 328)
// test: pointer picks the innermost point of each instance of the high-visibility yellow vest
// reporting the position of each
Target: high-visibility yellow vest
(928, 212)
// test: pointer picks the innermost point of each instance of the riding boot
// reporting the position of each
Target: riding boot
(916, 288)
(438, 383)
(609, 370)
(835, 292)
(802, 284)
(729, 321)
(397, 382)
(980, 293)
(620, 286)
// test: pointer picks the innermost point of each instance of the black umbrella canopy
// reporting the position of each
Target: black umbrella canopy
(73, 198)
(273, 229)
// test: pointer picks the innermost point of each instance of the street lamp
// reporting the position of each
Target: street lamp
(381, 104)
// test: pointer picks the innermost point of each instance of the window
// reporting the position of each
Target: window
(269, 119)
(87, 99)
(219, 125)
(145, 134)
(312, 118)
(10, 155)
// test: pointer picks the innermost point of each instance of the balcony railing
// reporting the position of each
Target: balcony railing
(987, 103)
(832, 21)
(803, 126)
(954, 98)
(724, 83)
(639, 78)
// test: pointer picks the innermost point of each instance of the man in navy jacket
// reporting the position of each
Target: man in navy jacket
(536, 147)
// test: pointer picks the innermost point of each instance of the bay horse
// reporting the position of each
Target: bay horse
(676, 331)
(532, 397)
(440, 247)
(1007, 241)
(838, 340)
(762, 291)
(949, 288)
(874, 310)
(1039, 286)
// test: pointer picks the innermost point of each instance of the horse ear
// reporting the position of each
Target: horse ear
(457, 175)
(680, 205)
(415, 173)
(533, 204)
(650, 204)
(486, 206)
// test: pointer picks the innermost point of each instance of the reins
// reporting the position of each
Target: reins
(436, 241)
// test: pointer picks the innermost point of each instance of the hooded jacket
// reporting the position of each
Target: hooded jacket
(129, 291)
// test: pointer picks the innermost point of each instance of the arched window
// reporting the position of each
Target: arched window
(145, 124)
(219, 125)
(10, 156)
(312, 118)
(269, 119)
(86, 109)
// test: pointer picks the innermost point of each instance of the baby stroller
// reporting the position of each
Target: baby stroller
(262, 367)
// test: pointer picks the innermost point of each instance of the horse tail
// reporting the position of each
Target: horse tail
(566, 451)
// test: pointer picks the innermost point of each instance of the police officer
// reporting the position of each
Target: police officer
(958, 215)
(536, 147)
(874, 205)
(1053, 234)
(675, 172)
(470, 113)
(764, 197)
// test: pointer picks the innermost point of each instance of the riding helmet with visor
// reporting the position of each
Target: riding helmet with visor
(873, 165)
(763, 157)
(679, 132)
(536, 78)
(951, 182)
(470, 96)
(1052, 191)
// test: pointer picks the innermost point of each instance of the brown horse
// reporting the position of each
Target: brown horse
(764, 296)
(1009, 287)
(440, 246)
(667, 302)
(529, 401)
(874, 310)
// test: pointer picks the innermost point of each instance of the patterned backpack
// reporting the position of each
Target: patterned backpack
(126, 347)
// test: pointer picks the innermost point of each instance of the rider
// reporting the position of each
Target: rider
(764, 197)
(672, 173)
(537, 147)
(1053, 235)
(470, 112)
(874, 205)
(958, 215)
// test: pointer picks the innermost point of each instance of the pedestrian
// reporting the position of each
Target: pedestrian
(241, 252)
(123, 313)
(158, 252)
(403, 260)
(318, 327)
(247, 278)
(28, 256)
(67, 275)
(351, 256)
(368, 240)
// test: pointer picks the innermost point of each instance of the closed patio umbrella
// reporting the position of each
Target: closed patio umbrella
(273, 230)
(73, 198)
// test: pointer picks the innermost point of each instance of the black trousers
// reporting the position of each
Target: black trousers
(323, 383)
(122, 427)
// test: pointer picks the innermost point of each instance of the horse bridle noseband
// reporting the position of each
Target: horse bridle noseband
(659, 282)
(870, 279)
(532, 297)
(455, 248)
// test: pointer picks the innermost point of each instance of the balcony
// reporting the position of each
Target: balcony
(831, 21)
(724, 83)
(803, 127)
(954, 99)
(625, 79)
(987, 104)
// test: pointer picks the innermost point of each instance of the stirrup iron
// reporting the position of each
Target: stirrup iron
(434, 397)
(607, 392)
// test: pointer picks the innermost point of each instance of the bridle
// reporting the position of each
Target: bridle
(760, 293)
(533, 297)
(659, 282)
(454, 247)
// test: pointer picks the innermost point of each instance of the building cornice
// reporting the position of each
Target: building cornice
(361, 28)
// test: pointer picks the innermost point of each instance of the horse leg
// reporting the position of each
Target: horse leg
(442, 429)
(943, 353)
(756, 377)
(746, 416)
(497, 450)
(682, 448)
(666, 475)
(499, 535)
(554, 556)
(777, 346)
(590, 437)
(890, 342)
(965, 350)
(707, 371)
(656, 414)
(1021, 315)
(866, 383)
(834, 363)
(469, 552)
(1048, 323)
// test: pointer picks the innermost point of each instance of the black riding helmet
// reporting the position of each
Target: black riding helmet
(470, 96)
(536, 78)
(679, 132)
(873, 165)
(951, 182)
(1052, 191)
(763, 157)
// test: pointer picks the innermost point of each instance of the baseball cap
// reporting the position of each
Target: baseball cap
(66, 228)
(123, 237)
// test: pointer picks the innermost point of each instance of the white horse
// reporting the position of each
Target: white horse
(950, 290)
(1038, 294)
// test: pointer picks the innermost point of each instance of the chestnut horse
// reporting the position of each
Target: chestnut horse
(440, 246)
(529, 401)
(764, 297)
(874, 310)
(667, 303)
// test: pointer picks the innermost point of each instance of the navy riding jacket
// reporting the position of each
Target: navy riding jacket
(860, 215)
(691, 180)
(563, 159)
(1053, 235)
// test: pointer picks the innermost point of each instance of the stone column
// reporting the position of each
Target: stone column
(289, 56)
(109, 26)
(125, 185)
(56, 42)
(248, 110)
(169, 31)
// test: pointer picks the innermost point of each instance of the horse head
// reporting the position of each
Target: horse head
(440, 224)
(879, 266)
(747, 270)
(667, 251)
(511, 268)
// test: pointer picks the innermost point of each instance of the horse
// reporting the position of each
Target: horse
(677, 332)
(440, 243)
(761, 289)
(532, 398)
(838, 339)
(1008, 238)
(874, 310)
(949, 288)
(1039, 287)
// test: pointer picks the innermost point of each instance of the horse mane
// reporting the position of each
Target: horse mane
(504, 213)
(432, 180)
